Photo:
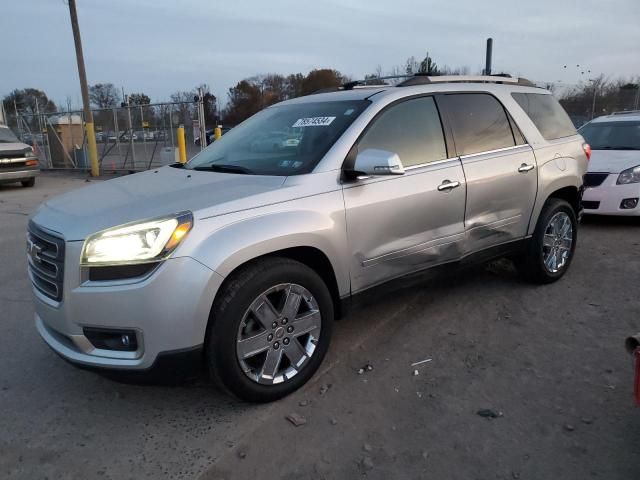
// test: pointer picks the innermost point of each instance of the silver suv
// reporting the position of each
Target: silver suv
(241, 259)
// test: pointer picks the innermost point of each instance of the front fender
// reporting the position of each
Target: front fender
(317, 222)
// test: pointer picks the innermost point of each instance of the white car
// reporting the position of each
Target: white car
(612, 181)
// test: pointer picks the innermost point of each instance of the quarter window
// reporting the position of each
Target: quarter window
(547, 114)
(412, 129)
(479, 123)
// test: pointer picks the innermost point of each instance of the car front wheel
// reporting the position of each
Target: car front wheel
(269, 329)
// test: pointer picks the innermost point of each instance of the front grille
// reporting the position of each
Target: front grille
(594, 179)
(14, 154)
(45, 253)
(590, 205)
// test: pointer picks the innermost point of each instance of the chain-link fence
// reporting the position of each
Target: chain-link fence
(128, 138)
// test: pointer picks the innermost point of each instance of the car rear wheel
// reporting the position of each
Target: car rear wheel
(269, 329)
(29, 183)
(550, 250)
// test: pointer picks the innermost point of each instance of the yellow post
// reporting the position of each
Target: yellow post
(217, 132)
(93, 149)
(182, 145)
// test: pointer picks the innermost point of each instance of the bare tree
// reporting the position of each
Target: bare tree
(103, 95)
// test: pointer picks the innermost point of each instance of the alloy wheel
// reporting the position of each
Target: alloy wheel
(278, 334)
(557, 242)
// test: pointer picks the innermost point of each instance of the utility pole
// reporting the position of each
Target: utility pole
(84, 88)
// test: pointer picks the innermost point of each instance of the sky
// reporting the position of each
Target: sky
(161, 46)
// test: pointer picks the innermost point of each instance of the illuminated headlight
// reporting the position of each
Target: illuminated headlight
(140, 242)
(631, 175)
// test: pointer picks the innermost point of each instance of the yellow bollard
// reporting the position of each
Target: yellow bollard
(92, 148)
(217, 132)
(182, 145)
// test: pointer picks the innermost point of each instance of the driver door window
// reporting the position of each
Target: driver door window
(412, 129)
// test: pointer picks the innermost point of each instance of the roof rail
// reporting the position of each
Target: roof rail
(421, 79)
(626, 112)
(358, 83)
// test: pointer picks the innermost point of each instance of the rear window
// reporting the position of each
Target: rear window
(479, 123)
(547, 114)
(618, 135)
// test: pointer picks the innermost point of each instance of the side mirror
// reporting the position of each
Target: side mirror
(378, 162)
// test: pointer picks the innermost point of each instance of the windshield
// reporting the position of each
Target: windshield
(7, 136)
(280, 140)
(612, 135)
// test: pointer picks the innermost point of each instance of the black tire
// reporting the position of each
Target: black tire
(29, 183)
(531, 264)
(233, 300)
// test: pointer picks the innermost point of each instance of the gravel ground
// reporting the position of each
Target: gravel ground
(547, 361)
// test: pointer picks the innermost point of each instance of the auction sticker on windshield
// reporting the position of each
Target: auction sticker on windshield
(313, 122)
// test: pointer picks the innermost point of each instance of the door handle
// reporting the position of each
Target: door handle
(525, 168)
(447, 186)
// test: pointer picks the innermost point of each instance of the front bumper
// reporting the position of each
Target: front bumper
(168, 309)
(24, 173)
(606, 198)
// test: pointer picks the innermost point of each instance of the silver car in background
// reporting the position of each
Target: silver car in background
(240, 259)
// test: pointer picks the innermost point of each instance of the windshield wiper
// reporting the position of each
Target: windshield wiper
(216, 167)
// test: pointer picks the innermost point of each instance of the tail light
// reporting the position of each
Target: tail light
(587, 150)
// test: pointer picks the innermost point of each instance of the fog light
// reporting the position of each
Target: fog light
(629, 203)
(108, 339)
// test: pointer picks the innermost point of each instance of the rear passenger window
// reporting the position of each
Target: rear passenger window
(479, 123)
(412, 129)
(547, 114)
(517, 134)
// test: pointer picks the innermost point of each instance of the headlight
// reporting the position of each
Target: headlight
(140, 242)
(29, 153)
(631, 175)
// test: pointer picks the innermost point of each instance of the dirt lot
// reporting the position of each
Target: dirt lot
(548, 359)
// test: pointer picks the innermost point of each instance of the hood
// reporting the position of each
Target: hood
(613, 161)
(79, 213)
(13, 149)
